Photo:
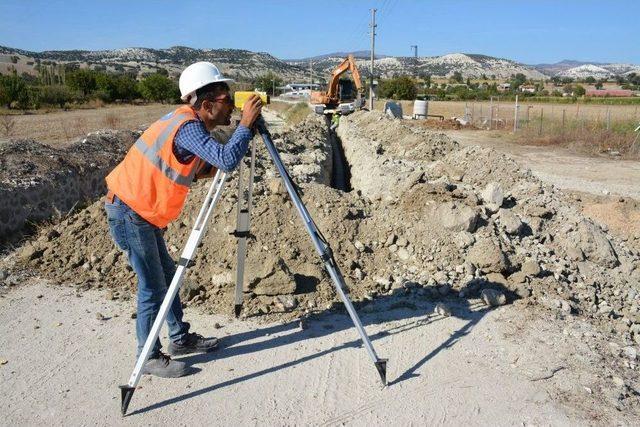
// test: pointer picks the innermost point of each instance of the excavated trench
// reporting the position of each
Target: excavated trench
(341, 170)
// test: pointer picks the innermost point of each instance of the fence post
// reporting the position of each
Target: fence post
(564, 113)
(608, 118)
(515, 119)
(491, 113)
(541, 115)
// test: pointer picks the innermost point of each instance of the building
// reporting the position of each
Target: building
(503, 87)
(528, 88)
(298, 89)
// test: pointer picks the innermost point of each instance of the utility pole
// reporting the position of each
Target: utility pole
(415, 59)
(373, 44)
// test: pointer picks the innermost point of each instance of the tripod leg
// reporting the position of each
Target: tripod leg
(187, 255)
(242, 228)
(323, 249)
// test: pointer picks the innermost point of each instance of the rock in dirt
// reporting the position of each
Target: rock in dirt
(456, 216)
(530, 268)
(270, 276)
(493, 196)
(487, 256)
(464, 239)
(592, 242)
(442, 310)
(493, 298)
(510, 221)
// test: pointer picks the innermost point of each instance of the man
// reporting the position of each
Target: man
(148, 189)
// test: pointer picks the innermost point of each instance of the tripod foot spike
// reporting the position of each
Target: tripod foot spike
(126, 393)
(238, 310)
(381, 366)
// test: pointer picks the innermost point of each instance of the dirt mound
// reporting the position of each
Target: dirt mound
(425, 217)
(38, 181)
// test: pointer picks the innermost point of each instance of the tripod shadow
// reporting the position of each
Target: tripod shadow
(417, 310)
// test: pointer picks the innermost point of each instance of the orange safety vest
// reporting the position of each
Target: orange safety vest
(150, 179)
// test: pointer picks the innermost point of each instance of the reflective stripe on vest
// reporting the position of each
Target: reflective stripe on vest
(150, 152)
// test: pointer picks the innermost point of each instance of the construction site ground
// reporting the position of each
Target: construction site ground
(421, 241)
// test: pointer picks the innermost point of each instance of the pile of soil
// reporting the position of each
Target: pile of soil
(426, 218)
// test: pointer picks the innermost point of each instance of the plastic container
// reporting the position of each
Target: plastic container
(420, 109)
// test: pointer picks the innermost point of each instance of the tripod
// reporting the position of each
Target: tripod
(213, 195)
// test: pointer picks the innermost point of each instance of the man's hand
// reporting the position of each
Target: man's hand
(251, 111)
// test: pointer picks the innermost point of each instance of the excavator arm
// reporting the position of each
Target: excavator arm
(331, 96)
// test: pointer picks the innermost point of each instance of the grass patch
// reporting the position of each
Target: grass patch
(297, 113)
(291, 113)
(590, 136)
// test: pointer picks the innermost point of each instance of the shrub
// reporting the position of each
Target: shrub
(56, 95)
(157, 87)
(13, 89)
(398, 88)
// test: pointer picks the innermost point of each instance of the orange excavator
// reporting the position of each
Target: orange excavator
(340, 97)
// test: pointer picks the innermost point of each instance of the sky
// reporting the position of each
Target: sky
(544, 31)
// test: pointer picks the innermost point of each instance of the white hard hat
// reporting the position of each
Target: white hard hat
(196, 76)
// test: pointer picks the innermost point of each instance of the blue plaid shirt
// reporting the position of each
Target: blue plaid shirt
(193, 139)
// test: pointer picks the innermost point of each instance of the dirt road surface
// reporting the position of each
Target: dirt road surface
(67, 352)
(563, 168)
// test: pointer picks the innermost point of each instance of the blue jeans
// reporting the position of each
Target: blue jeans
(147, 252)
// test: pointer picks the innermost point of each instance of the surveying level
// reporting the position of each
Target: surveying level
(241, 97)
(242, 232)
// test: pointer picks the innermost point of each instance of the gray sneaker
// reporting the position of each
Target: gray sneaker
(163, 366)
(193, 343)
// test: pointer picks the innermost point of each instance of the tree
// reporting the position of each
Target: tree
(82, 80)
(518, 80)
(56, 95)
(598, 85)
(398, 88)
(13, 89)
(456, 77)
(578, 90)
(590, 80)
(268, 82)
(159, 88)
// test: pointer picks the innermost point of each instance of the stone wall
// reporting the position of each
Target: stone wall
(39, 182)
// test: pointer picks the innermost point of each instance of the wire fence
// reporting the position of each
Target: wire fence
(603, 127)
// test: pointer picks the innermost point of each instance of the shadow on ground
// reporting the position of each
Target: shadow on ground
(417, 311)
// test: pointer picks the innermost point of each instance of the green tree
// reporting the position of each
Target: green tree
(13, 89)
(456, 77)
(518, 80)
(82, 80)
(56, 95)
(578, 90)
(398, 88)
(590, 80)
(159, 88)
(598, 85)
(568, 88)
(267, 82)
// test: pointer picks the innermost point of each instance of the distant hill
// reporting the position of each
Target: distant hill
(582, 69)
(233, 62)
(245, 64)
(363, 54)
(470, 65)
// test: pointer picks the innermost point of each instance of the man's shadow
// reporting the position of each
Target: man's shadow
(417, 310)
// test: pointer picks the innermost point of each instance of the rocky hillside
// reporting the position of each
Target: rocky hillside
(234, 62)
(580, 69)
(470, 65)
(245, 64)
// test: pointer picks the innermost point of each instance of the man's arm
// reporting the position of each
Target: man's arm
(193, 139)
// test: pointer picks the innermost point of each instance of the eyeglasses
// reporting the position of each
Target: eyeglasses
(226, 99)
